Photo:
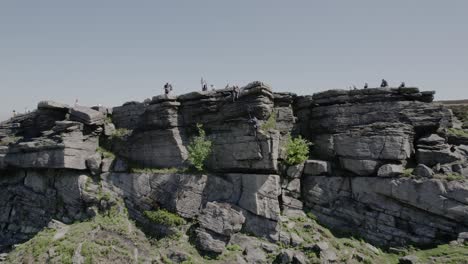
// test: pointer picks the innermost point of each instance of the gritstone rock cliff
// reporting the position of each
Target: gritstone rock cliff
(387, 164)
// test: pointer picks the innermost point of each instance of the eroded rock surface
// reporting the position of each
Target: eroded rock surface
(383, 165)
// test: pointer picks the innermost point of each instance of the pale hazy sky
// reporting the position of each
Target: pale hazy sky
(112, 51)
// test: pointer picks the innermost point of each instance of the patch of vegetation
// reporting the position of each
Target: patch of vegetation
(10, 140)
(457, 132)
(408, 172)
(157, 171)
(35, 248)
(270, 123)
(451, 176)
(164, 217)
(443, 254)
(199, 149)
(297, 150)
(234, 247)
(105, 153)
(461, 112)
(108, 119)
(121, 133)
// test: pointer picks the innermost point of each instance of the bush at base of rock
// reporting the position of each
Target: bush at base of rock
(164, 217)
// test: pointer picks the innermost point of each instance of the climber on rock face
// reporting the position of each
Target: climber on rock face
(384, 83)
(255, 124)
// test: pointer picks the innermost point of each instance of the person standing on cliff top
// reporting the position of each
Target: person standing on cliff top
(366, 86)
(204, 85)
(384, 83)
(235, 93)
(167, 88)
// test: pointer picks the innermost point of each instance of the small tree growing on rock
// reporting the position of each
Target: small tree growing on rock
(297, 150)
(199, 149)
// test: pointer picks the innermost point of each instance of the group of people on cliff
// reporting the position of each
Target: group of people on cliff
(234, 90)
(383, 84)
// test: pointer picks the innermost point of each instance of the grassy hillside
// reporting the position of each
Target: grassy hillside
(113, 238)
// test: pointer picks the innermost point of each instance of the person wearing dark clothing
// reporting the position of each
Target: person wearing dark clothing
(204, 85)
(255, 124)
(384, 83)
(402, 85)
(366, 86)
(235, 93)
(167, 88)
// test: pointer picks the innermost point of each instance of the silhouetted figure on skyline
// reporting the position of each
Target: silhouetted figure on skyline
(402, 85)
(235, 93)
(384, 83)
(167, 88)
(366, 86)
(204, 85)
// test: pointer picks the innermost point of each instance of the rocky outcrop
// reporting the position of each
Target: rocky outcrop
(187, 195)
(383, 166)
(162, 129)
(372, 139)
(390, 211)
(31, 198)
(47, 138)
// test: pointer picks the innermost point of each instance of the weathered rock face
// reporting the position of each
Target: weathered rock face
(369, 137)
(390, 211)
(366, 143)
(187, 195)
(46, 138)
(31, 198)
(163, 128)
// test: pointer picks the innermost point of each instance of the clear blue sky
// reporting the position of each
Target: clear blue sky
(114, 51)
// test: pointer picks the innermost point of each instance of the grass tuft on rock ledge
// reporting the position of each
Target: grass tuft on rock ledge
(157, 170)
(164, 217)
(105, 153)
(457, 132)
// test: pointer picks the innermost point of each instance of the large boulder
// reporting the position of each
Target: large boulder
(316, 168)
(52, 105)
(209, 242)
(221, 218)
(260, 194)
(86, 115)
(423, 171)
(359, 167)
(390, 170)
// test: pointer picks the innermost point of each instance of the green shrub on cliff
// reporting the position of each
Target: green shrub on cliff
(270, 123)
(164, 217)
(199, 149)
(297, 150)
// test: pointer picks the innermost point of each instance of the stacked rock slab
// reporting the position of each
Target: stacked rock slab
(47, 138)
(254, 196)
(369, 137)
(364, 129)
(365, 141)
(165, 126)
